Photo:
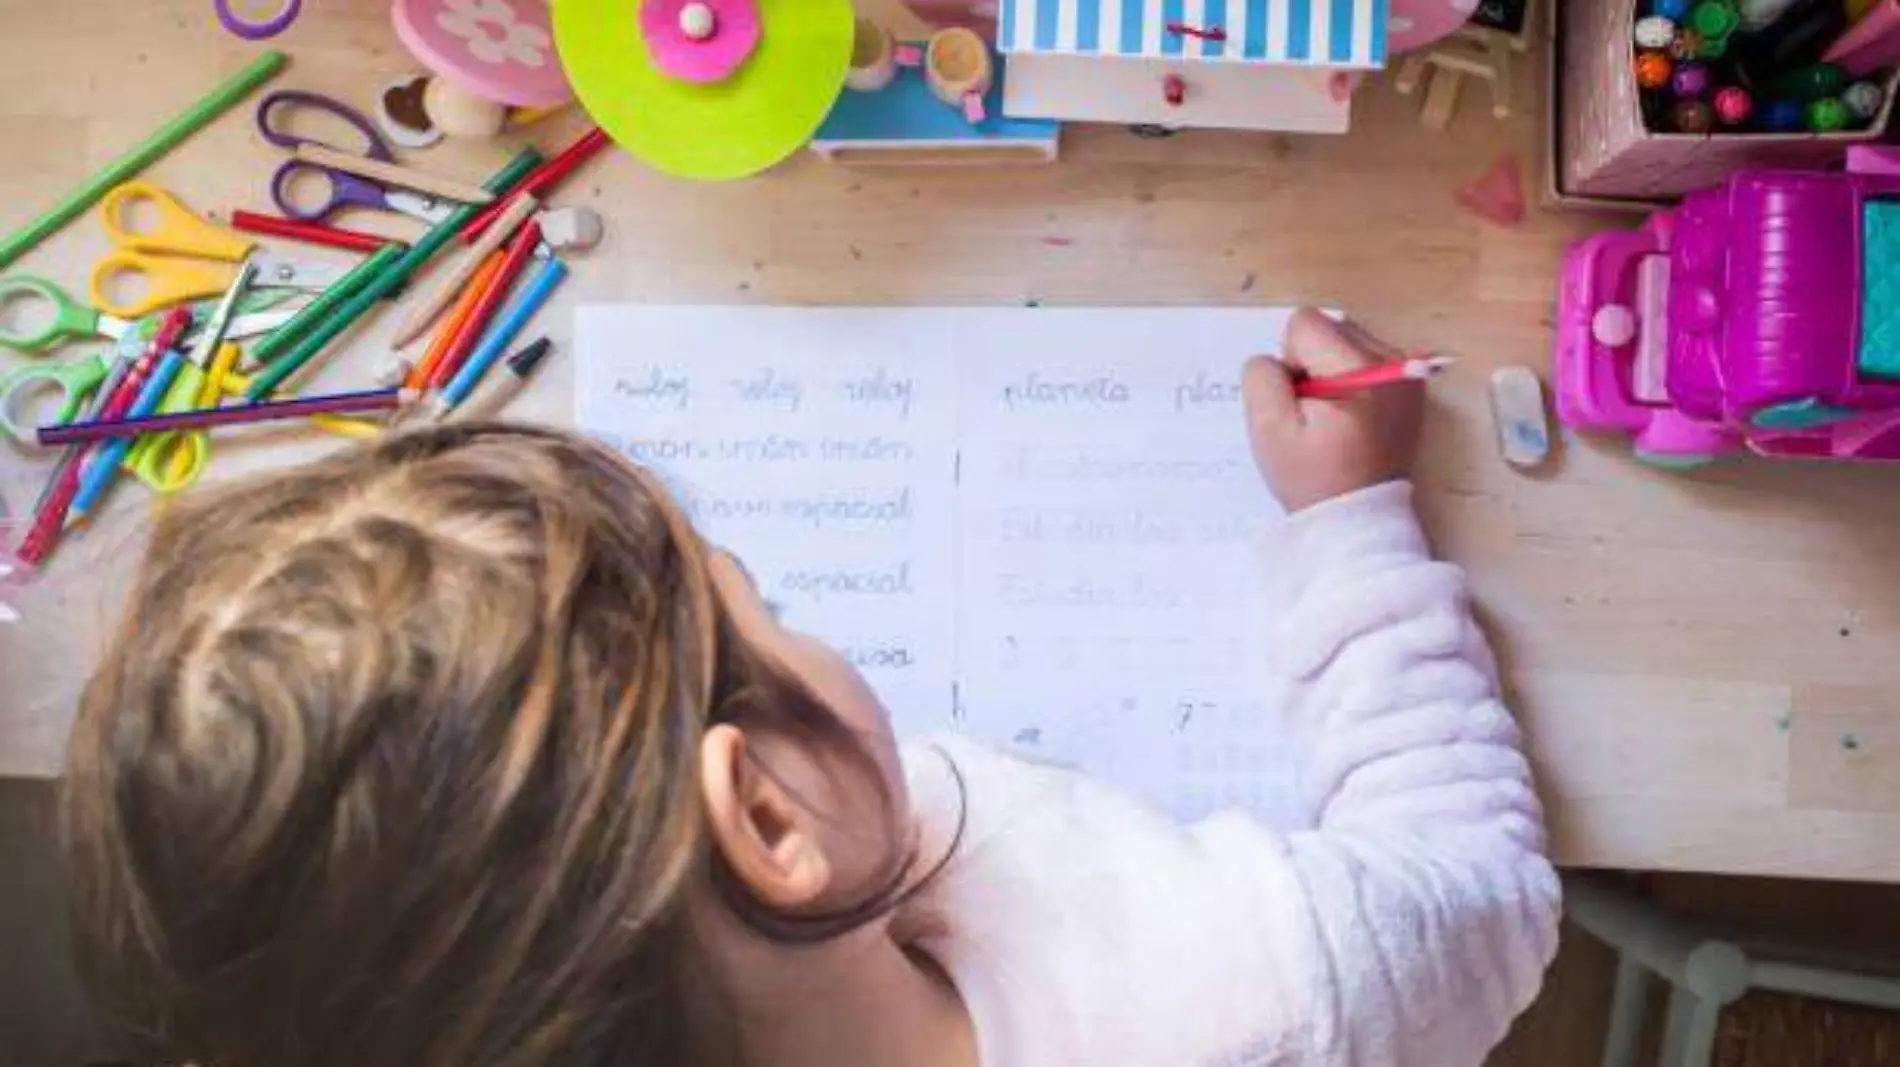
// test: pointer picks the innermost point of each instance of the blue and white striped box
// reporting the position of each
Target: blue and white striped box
(1348, 34)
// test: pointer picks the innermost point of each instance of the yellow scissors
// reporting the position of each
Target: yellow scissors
(181, 256)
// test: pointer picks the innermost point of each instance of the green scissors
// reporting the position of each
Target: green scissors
(24, 393)
(71, 321)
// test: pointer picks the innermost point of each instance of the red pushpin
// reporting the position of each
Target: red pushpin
(1174, 90)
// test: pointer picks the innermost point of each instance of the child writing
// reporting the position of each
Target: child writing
(464, 750)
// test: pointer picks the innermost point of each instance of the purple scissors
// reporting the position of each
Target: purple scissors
(342, 190)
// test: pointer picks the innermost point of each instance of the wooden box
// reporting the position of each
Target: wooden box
(1603, 149)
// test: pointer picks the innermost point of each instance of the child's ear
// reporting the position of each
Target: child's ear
(766, 837)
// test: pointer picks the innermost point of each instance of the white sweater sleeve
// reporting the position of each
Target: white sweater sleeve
(1426, 909)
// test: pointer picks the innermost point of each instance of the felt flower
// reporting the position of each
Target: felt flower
(494, 33)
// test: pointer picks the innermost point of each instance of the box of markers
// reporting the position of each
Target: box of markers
(1653, 99)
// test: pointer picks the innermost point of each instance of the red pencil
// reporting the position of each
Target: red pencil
(309, 232)
(540, 180)
(1339, 386)
(45, 531)
(487, 304)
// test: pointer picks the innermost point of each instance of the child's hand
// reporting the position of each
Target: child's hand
(1310, 451)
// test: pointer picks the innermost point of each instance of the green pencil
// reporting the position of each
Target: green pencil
(163, 140)
(381, 285)
(319, 309)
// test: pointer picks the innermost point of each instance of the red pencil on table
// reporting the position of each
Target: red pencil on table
(487, 304)
(44, 533)
(1337, 386)
(539, 180)
(309, 232)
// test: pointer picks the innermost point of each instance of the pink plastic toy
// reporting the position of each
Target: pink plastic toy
(1413, 24)
(500, 50)
(1761, 315)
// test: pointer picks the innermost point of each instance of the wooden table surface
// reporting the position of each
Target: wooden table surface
(1706, 665)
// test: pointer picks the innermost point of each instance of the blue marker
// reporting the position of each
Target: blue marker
(1783, 116)
(105, 466)
(516, 315)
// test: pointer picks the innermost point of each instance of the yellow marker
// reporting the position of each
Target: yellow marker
(344, 426)
(223, 365)
(190, 451)
(236, 383)
(528, 116)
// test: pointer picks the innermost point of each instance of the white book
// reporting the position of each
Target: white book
(1035, 526)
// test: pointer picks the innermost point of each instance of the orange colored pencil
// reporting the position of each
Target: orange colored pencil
(520, 250)
(451, 327)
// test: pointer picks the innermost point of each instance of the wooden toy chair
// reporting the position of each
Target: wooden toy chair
(1473, 51)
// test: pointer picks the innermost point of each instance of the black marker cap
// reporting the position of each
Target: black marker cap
(522, 363)
(1795, 40)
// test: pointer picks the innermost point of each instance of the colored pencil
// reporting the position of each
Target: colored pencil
(384, 284)
(396, 174)
(451, 328)
(516, 260)
(314, 233)
(142, 155)
(520, 206)
(1338, 386)
(544, 179)
(534, 295)
(103, 472)
(50, 522)
(206, 418)
(43, 535)
(94, 407)
(284, 337)
(495, 394)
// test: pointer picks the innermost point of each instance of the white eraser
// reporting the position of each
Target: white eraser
(1517, 403)
(572, 228)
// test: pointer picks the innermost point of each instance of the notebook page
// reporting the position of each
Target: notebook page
(1110, 614)
(817, 446)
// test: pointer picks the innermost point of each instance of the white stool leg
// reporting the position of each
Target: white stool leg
(1689, 1035)
(1629, 1002)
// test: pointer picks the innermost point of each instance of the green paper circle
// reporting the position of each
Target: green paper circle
(766, 111)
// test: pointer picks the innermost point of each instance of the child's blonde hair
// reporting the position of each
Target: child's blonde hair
(393, 762)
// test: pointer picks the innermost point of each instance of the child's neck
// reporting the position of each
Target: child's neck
(863, 1001)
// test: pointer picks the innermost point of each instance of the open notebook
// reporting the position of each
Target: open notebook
(1035, 526)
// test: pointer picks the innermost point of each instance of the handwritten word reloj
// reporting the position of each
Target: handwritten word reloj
(1036, 526)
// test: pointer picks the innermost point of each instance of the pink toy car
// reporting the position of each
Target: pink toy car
(1763, 314)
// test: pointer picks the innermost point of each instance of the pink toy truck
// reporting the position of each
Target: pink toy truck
(1761, 315)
